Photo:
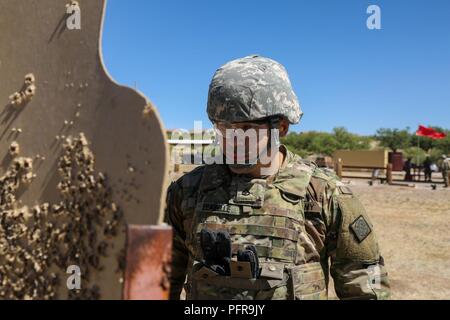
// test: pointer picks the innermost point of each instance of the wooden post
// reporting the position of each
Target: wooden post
(339, 168)
(389, 173)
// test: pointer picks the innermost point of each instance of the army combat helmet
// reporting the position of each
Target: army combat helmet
(251, 89)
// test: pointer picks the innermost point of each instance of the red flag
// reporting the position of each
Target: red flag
(439, 135)
(429, 132)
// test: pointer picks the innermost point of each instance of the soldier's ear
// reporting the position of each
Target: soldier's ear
(284, 127)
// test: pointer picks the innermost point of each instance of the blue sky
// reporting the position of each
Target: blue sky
(343, 73)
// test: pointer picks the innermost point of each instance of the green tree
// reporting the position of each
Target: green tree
(350, 141)
(394, 139)
(417, 155)
(436, 154)
(314, 142)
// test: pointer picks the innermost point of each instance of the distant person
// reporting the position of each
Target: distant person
(407, 168)
(445, 169)
(427, 169)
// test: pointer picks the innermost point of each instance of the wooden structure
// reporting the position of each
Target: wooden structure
(82, 156)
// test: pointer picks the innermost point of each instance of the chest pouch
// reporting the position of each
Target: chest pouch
(248, 193)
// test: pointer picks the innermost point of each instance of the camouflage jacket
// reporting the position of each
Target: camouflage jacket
(340, 237)
(445, 165)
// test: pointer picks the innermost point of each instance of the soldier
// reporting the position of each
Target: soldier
(427, 169)
(445, 169)
(267, 231)
(407, 168)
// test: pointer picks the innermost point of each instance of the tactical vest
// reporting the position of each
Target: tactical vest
(267, 214)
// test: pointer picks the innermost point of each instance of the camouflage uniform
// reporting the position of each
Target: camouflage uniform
(445, 168)
(302, 221)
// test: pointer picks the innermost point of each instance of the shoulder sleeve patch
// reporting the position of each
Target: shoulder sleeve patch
(360, 228)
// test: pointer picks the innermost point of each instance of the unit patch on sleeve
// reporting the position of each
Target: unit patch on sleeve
(360, 228)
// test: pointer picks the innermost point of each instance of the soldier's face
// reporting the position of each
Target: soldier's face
(242, 142)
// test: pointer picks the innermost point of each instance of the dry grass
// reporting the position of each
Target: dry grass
(413, 228)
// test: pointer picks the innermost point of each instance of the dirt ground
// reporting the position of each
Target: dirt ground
(413, 228)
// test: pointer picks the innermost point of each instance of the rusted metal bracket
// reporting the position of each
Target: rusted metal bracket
(148, 260)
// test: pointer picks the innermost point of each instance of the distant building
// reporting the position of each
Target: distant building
(186, 148)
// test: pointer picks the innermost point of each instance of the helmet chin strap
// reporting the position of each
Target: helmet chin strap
(274, 123)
